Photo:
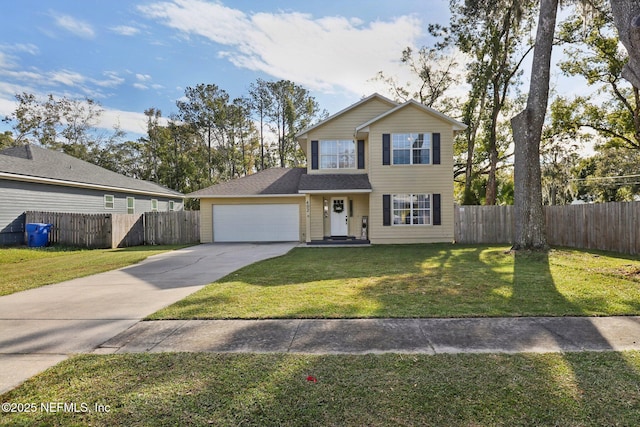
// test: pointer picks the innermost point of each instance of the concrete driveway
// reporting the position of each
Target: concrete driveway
(43, 326)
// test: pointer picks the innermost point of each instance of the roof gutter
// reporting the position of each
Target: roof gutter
(241, 196)
(360, 190)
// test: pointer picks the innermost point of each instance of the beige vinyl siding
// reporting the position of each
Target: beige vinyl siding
(206, 211)
(411, 179)
(343, 127)
(316, 216)
(321, 226)
(360, 208)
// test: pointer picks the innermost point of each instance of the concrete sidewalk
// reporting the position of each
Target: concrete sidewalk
(41, 327)
(360, 336)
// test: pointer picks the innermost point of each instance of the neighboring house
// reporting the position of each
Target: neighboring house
(387, 164)
(37, 179)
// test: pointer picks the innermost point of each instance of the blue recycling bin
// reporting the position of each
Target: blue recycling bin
(37, 234)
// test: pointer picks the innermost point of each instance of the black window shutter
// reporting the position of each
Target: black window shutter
(361, 154)
(386, 149)
(436, 148)
(314, 154)
(386, 209)
(437, 218)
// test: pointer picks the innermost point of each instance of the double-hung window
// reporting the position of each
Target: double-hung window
(109, 201)
(411, 209)
(131, 205)
(337, 154)
(411, 148)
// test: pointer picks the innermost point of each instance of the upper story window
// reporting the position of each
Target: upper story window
(411, 148)
(154, 205)
(337, 154)
(171, 205)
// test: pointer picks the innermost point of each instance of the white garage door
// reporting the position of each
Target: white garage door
(256, 223)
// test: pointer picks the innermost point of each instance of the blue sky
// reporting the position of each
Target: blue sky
(133, 55)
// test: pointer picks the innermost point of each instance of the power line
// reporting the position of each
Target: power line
(601, 178)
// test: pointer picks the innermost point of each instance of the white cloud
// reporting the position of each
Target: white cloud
(67, 78)
(326, 54)
(128, 121)
(75, 26)
(125, 30)
(143, 77)
(111, 79)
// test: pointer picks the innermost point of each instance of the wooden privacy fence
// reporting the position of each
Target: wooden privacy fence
(101, 231)
(172, 228)
(605, 226)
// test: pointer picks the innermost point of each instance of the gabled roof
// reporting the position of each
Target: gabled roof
(269, 182)
(36, 164)
(391, 103)
(457, 126)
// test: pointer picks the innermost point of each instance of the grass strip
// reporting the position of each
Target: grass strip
(573, 389)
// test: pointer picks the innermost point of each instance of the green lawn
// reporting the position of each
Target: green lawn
(574, 389)
(420, 281)
(24, 268)
(571, 389)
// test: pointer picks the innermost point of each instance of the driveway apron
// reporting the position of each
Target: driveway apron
(41, 327)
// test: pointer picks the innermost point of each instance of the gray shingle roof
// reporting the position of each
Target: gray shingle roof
(37, 162)
(284, 181)
(334, 182)
(267, 182)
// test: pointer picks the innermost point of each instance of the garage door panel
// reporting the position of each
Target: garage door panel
(256, 223)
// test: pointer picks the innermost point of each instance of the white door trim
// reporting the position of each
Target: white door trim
(340, 220)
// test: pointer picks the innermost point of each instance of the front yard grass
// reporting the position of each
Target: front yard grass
(26, 268)
(573, 389)
(568, 389)
(404, 281)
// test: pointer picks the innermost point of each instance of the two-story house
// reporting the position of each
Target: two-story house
(376, 171)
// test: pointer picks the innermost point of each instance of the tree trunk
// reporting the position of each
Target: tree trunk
(626, 17)
(527, 132)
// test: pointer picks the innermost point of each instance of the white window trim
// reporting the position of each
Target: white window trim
(413, 199)
(154, 205)
(133, 205)
(113, 201)
(321, 155)
(411, 149)
(171, 206)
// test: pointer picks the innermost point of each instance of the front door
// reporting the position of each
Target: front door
(339, 217)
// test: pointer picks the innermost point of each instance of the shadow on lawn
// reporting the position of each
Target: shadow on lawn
(531, 278)
(377, 390)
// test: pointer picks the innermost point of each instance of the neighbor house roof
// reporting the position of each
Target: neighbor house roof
(269, 182)
(36, 164)
(352, 183)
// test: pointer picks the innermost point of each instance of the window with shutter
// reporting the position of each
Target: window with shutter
(436, 148)
(386, 149)
(314, 154)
